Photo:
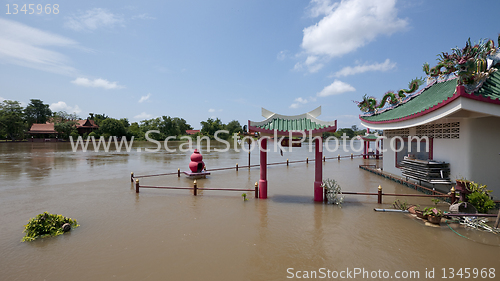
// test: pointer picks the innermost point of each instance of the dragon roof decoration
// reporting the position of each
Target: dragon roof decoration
(471, 66)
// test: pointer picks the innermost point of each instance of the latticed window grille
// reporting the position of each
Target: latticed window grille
(440, 131)
(404, 133)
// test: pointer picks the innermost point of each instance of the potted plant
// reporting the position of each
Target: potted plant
(419, 212)
(433, 214)
(463, 185)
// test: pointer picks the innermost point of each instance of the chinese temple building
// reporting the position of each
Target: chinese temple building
(461, 122)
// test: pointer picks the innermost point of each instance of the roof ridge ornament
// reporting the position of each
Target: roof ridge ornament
(266, 113)
(316, 112)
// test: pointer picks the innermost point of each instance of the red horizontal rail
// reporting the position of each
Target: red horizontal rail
(166, 174)
(199, 188)
(224, 189)
(393, 194)
(255, 165)
(165, 187)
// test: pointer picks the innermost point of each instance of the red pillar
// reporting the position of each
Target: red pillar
(364, 149)
(377, 146)
(367, 143)
(263, 169)
(318, 179)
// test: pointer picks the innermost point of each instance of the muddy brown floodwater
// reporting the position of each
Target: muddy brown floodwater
(173, 235)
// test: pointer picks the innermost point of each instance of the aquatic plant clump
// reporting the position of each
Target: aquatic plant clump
(46, 225)
(333, 192)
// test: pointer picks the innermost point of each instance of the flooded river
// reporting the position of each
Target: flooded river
(173, 235)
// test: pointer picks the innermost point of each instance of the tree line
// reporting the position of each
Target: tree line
(15, 122)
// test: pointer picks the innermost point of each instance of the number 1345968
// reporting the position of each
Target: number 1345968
(29, 9)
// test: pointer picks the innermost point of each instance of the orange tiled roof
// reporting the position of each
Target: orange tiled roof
(47, 128)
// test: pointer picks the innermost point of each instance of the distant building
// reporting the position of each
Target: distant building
(48, 133)
(43, 132)
(192, 132)
(86, 126)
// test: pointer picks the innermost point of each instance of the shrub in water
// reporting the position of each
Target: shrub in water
(46, 225)
(481, 201)
(480, 197)
(333, 192)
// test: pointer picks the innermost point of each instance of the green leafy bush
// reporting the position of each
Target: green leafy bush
(482, 201)
(480, 197)
(46, 225)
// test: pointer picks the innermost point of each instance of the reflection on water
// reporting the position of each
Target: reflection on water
(171, 234)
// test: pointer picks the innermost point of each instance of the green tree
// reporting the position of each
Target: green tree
(169, 127)
(234, 127)
(65, 128)
(209, 127)
(112, 127)
(12, 124)
(98, 118)
(135, 130)
(63, 115)
(348, 131)
(152, 124)
(37, 112)
(183, 125)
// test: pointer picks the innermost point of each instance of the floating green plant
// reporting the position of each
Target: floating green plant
(46, 225)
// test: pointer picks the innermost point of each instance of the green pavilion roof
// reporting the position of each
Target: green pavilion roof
(281, 124)
(434, 97)
(369, 137)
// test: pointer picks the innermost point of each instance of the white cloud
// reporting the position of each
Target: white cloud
(282, 55)
(145, 98)
(347, 26)
(96, 83)
(62, 106)
(211, 110)
(346, 71)
(336, 88)
(143, 116)
(1, 99)
(143, 17)
(30, 47)
(321, 8)
(93, 19)
(300, 101)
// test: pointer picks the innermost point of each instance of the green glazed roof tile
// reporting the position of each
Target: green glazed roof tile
(491, 87)
(427, 99)
(435, 95)
(285, 125)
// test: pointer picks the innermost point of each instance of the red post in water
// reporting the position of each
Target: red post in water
(367, 144)
(263, 169)
(318, 178)
(364, 149)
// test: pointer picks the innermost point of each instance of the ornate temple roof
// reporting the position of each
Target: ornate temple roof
(434, 97)
(283, 124)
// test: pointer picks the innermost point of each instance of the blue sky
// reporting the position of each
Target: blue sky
(227, 59)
